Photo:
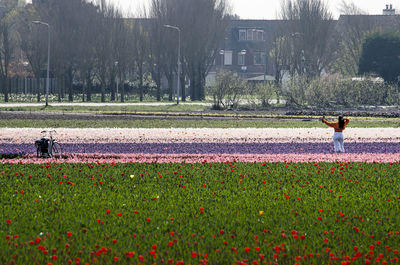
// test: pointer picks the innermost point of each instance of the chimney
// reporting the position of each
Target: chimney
(389, 10)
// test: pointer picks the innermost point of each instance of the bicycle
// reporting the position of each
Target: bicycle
(47, 146)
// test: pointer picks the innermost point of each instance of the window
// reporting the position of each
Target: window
(260, 35)
(249, 34)
(242, 34)
(228, 58)
(259, 58)
(241, 59)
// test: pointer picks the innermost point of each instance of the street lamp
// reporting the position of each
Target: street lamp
(25, 64)
(179, 59)
(222, 52)
(116, 65)
(37, 22)
(244, 67)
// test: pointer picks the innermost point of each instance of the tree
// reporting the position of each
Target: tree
(33, 42)
(381, 55)
(7, 42)
(86, 48)
(203, 28)
(310, 24)
(141, 52)
(352, 28)
(227, 90)
(104, 59)
(202, 24)
(282, 53)
(158, 55)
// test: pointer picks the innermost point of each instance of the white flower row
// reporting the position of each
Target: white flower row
(107, 135)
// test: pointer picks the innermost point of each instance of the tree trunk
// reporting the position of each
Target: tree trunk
(170, 87)
(38, 87)
(59, 83)
(158, 84)
(123, 89)
(183, 87)
(103, 94)
(141, 82)
(1, 84)
(70, 85)
(202, 83)
(88, 86)
(5, 88)
(113, 80)
(102, 87)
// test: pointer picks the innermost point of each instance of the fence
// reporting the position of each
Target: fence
(20, 85)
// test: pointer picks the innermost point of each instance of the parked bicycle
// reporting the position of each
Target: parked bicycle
(47, 146)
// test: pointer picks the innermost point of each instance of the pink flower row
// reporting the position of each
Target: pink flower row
(199, 135)
(199, 158)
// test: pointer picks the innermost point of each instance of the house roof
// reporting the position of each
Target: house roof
(261, 78)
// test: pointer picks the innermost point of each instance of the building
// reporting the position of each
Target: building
(248, 43)
(246, 49)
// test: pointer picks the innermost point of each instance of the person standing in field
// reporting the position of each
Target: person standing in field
(338, 135)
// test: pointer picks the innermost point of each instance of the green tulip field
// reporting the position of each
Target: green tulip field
(205, 213)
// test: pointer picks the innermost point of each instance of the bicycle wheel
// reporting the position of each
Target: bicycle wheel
(56, 150)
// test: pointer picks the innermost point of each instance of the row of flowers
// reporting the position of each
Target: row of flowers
(211, 148)
(201, 158)
(197, 135)
(197, 145)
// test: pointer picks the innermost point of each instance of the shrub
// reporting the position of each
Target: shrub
(227, 91)
(294, 91)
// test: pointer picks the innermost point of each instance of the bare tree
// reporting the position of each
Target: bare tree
(158, 35)
(141, 53)
(282, 54)
(86, 48)
(349, 8)
(103, 31)
(7, 42)
(33, 43)
(310, 24)
(352, 28)
(204, 29)
(202, 24)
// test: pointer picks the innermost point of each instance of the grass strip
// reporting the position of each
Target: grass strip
(182, 123)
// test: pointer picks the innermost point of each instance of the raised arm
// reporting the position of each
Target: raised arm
(330, 124)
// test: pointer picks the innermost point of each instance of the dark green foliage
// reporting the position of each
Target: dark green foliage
(381, 55)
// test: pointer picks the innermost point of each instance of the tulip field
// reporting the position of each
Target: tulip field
(201, 196)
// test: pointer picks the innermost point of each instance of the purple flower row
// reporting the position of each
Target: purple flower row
(210, 148)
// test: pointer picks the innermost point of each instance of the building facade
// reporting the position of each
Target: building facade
(248, 43)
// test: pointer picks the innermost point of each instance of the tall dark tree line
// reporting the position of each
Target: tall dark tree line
(91, 43)
(202, 24)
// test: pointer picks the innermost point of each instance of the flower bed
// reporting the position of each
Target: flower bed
(205, 213)
(196, 145)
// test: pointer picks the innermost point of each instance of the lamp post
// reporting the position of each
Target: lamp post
(48, 58)
(179, 59)
(244, 67)
(222, 52)
(116, 65)
(25, 64)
